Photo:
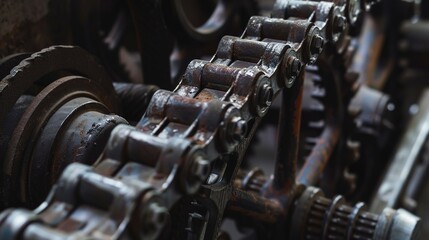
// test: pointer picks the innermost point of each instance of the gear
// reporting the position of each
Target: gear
(66, 89)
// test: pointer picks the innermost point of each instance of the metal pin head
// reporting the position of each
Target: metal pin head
(316, 45)
(237, 128)
(340, 23)
(294, 66)
(266, 94)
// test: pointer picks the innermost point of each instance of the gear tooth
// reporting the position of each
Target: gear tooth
(318, 93)
(315, 114)
(317, 107)
(37, 56)
(315, 110)
(311, 68)
(317, 80)
(334, 219)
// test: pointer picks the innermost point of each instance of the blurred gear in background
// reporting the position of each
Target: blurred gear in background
(217, 119)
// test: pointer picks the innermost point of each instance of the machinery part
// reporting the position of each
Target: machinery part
(374, 110)
(324, 107)
(413, 45)
(63, 88)
(203, 24)
(134, 99)
(117, 31)
(158, 73)
(80, 184)
(104, 28)
(326, 94)
(200, 28)
(188, 147)
(404, 160)
(374, 120)
(194, 21)
(316, 217)
(173, 28)
(416, 182)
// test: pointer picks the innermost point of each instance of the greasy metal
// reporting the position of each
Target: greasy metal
(134, 99)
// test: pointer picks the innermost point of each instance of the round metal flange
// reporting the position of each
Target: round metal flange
(70, 124)
(263, 96)
(338, 26)
(315, 44)
(47, 62)
(292, 68)
(354, 11)
(212, 27)
(63, 74)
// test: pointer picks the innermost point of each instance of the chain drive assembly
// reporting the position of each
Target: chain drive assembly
(176, 174)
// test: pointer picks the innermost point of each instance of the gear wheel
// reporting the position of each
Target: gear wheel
(66, 89)
(327, 93)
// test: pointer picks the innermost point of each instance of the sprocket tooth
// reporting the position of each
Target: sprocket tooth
(318, 93)
(317, 107)
(311, 68)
